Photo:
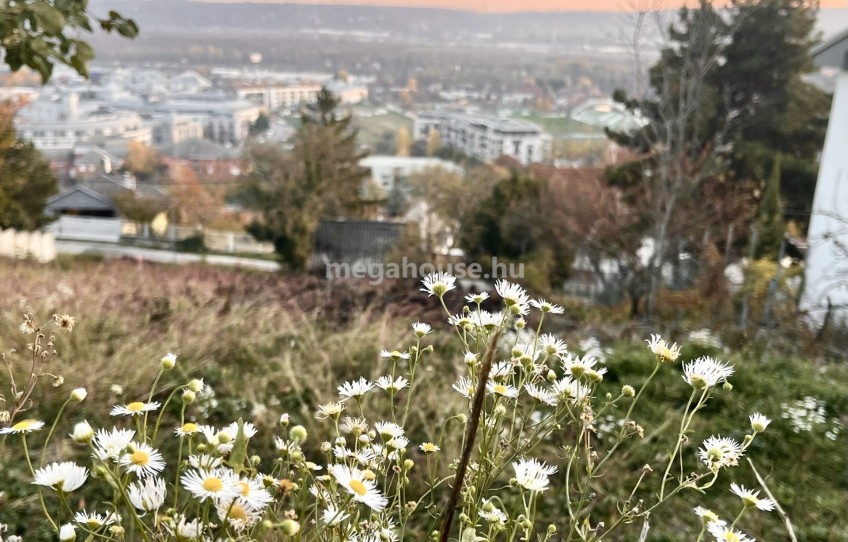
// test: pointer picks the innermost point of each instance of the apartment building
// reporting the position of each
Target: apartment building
(486, 138)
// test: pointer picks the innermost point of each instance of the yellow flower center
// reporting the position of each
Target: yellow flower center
(135, 407)
(237, 512)
(213, 484)
(358, 487)
(139, 458)
(245, 489)
(23, 425)
(500, 389)
(731, 537)
(189, 428)
(429, 447)
(469, 390)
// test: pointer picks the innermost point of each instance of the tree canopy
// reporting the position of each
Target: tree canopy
(26, 181)
(40, 33)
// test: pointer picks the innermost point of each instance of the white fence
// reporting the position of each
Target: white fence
(83, 228)
(28, 244)
(225, 241)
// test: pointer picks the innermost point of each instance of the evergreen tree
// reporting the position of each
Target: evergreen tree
(770, 222)
(26, 181)
(294, 190)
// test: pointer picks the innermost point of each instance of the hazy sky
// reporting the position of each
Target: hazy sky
(511, 5)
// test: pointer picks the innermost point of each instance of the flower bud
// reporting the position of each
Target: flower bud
(196, 385)
(290, 527)
(189, 397)
(727, 386)
(78, 395)
(298, 433)
(408, 464)
(628, 391)
(168, 361)
(552, 376)
(369, 474)
(83, 433)
(284, 420)
(462, 418)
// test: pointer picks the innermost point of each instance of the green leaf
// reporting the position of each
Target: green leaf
(128, 29)
(50, 19)
(83, 50)
(239, 452)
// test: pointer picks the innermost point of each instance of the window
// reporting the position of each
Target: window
(516, 147)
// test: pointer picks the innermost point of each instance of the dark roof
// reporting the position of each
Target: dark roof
(79, 198)
(95, 156)
(833, 53)
(98, 194)
(200, 149)
(349, 241)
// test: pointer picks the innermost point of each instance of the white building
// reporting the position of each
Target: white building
(59, 122)
(486, 138)
(170, 129)
(826, 266)
(275, 96)
(387, 171)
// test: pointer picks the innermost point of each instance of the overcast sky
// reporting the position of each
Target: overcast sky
(514, 5)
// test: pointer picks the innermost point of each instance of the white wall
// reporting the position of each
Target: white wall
(826, 267)
(28, 244)
(80, 228)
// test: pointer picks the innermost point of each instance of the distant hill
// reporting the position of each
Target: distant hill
(393, 23)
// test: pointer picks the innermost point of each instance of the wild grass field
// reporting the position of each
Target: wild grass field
(270, 344)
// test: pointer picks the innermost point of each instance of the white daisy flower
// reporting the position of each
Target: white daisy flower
(421, 329)
(751, 498)
(567, 389)
(342, 452)
(134, 409)
(552, 346)
(187, 429)
(238, 515)
(664, 351)
(354, 482)
(94, 521)
(501, 370)
(218, 484)
(353, 425)
(111, 444)
(438, 284)
(388, 430)
(386, 383)
(187, 529)
(143, 460)
(486, 320)
(706, 515)
(492, 513)
(532, 474)
(333, 516)
(355, 389)
(466, 387)
(504, 390)
(512, 294)
(722, 533)
(546, 307)
(705, 372)
(477, 298)
(204, 461)
(429, 447)
(253, 494)
(577, 366)
(398, 443)
(147, 494)
(540, 394)
(460, 320)
(23, 426)
(67, 533)
(64, 477)
(330, 410)
(394, 354)
(718, 452)
(759, 422)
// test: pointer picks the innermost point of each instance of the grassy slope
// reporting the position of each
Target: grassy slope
(270, 344)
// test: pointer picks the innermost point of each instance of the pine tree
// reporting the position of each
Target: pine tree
(770, 222)
(26, 181)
